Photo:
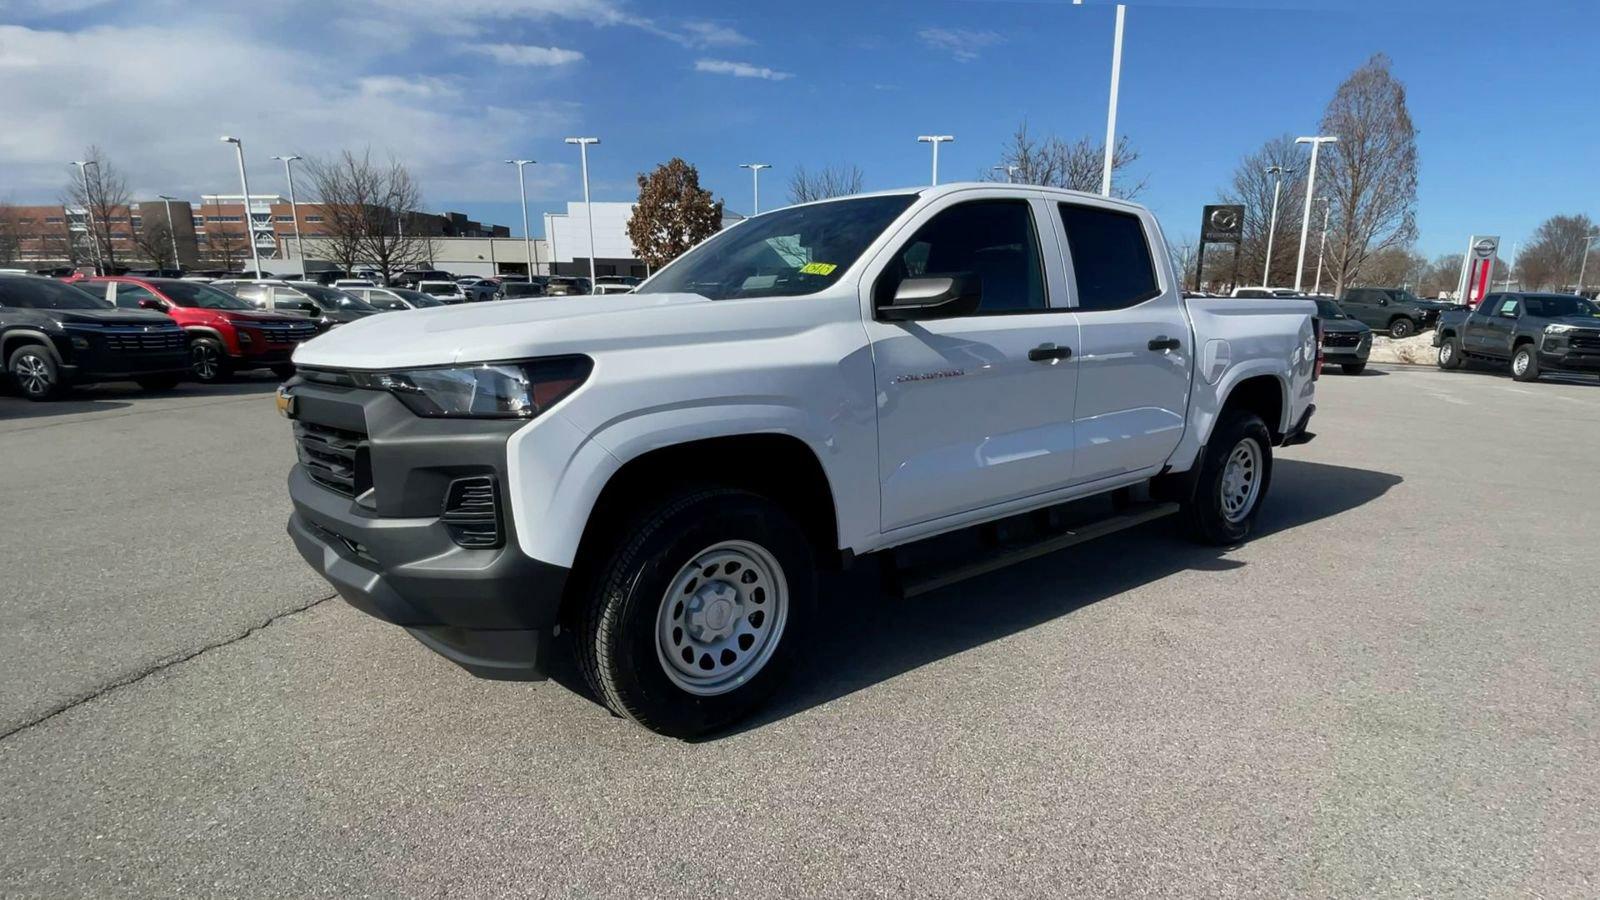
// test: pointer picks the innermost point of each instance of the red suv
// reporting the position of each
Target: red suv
(226, 334)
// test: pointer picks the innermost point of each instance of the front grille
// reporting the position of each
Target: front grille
(1341, 339)
(133, 340)
(282, 336)
(1585, 341)
(471, 512)
(332, 457)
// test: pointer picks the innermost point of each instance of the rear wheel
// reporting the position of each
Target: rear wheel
(207, 363)
(1234, 475)
(698, 611)
(158, 382)
(35, 373)
(1450, 353)
(1525, 363)
(1354, 368)
(1402, 327)
(283, 370)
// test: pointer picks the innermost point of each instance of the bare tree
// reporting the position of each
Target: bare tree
(10, 235)
(1252, 187)
(1371, 172)
(1554, 254)
(1076, 166)
(1185, 257)
(1393, 267)
(223, 245)
(153, 241)
(830, 181)
(100, 190)
(369, 213)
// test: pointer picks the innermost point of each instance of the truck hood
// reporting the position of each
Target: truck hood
(504, 329)
(1343, 325)
(108, 317)
(239, 315)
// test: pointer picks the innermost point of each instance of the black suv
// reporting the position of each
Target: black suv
(1532, 332)
(53, 335)
(1396, 311)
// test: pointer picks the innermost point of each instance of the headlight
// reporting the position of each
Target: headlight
(1559, 329)
(80, 343)
(507, 390)
(244, 337)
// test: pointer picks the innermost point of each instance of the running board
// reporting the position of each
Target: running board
(921, 580)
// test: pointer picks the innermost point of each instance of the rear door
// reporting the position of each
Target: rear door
(1135, 360)
(1361, 304)
(975, 403)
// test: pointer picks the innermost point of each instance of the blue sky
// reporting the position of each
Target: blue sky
(1503, 94)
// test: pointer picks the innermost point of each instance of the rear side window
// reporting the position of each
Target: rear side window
(97, 288)
(129, 295)
(1110, 257)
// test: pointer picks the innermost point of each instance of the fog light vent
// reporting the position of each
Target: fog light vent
(472, 512)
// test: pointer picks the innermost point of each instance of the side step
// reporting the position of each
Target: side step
(922, 579)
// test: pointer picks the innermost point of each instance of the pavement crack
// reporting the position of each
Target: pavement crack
(158, 666)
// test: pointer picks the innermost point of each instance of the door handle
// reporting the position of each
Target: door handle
(1049, 352)
(1164, 343)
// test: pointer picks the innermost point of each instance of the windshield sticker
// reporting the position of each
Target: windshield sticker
(818, 268)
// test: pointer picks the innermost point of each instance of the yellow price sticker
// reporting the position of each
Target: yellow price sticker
(818, 269)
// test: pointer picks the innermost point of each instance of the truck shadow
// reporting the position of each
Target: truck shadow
(886, 637)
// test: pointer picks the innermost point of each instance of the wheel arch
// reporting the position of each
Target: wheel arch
(16, 337)
(1266, 395)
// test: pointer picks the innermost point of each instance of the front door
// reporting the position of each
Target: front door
(975, 401)
(1499, 326)
(1134, 363)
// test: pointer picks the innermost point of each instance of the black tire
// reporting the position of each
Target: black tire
(1529, 370)
(1353, 368)
(208, 363)
(33, 370)
(284, 371)
(1202, 512)
(618, 648)
(1450, 355)
(1402, 327)
(158, 382)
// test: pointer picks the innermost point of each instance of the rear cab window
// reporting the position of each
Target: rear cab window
(1111, 257)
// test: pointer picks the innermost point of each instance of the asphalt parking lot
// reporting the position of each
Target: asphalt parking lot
(1393, 691)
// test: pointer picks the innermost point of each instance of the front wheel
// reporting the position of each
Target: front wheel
(284, 371)
(1234, 474)
(34, 371)
(1402, 327)
(1525, 363)
(1354, 368)
(1449, 353)
(157, 382)
(698, 611)
(207, 364)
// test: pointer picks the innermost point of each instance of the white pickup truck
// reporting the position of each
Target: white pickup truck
(951, 379)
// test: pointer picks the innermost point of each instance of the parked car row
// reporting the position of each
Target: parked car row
(1530, 333)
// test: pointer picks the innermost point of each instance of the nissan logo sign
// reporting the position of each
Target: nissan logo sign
(1484, 248)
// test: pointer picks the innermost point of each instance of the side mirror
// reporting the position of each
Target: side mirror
(1384, 301)
(916, 298)
(152, 303)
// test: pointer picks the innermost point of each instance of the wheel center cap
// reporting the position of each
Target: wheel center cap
(712, 612)
(717, 614)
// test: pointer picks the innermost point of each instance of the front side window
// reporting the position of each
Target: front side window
(44, 293)
(130, 295)
(1508, 308)
(1110, 257)
(787, 253)
(98, 288)
(991, 244)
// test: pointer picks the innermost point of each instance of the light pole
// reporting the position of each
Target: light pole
(755, 178)
(935, 140)
(588, 207)
(1272, 223)
(1111, 110)
(244, 183)
(171, 231)
(1311, 191)
(1011, 172)
(527, 236)
(1583, 266)
(88, 209)
(1326, 208)
(294, 212)
(1514, 247)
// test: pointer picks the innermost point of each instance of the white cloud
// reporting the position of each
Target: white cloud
(159, 123)
(525, 55)
(710, 34)
(739, 69)
(962, 43)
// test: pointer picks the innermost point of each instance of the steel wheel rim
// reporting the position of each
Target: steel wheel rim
(33, 374)
(1446, 352)
(205, 361)
(721, 618)
(1241, 480)
(1520, 364)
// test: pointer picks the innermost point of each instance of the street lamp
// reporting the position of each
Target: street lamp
(1326, 208)
(588, 207)
(935, 140)
(1272, 226)
(294, 212)
(172, 232)
(244, 183)
(1011, 172)
(1111, 109)
(1311, 191)
(1583, 267)
(527, 236)
(755, 177)
(88, 209)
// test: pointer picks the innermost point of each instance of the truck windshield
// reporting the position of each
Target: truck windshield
(787, 253)
(1560, 306)
(1328, 309)
(193, 293)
